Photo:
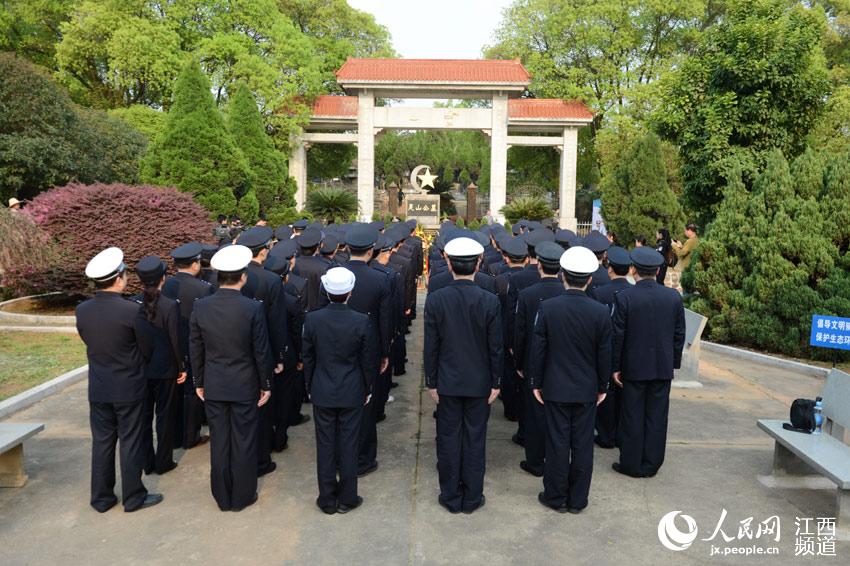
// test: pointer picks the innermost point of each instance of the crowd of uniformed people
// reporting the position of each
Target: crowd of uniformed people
(575, 336)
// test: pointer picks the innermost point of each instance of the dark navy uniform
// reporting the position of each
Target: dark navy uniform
(463, 362)
(382, 386)
(444, 279)
(608, 413)
(534, 418)
(311, 268)
(649, 334)
(600, 279)
(571, 365)
(511, 391)
(163, 362)
(232, 362)
(340, 362)
(109, 326)
(186, 289)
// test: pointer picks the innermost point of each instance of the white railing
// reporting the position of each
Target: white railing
(583, 228)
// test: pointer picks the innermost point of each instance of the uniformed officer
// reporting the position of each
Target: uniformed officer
(566, 238)
(109, 326)
(208, 273)
(185, 287)
(383, 249)
(299, 226)
(232, 367)
(649, 334)
(569, 373)
(549, 285)
(265, 287)
(328, 249)
(596, 242)
(463, 369)
(371, 295)
(340, 360)
(608, 413)
(310, 265)
(516, 253)
(160, 344)
(444, 278)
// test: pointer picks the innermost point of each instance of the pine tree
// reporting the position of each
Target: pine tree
(636, 199)
(268, 168)
(195, 152)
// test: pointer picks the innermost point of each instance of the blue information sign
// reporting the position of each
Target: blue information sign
(830, 332)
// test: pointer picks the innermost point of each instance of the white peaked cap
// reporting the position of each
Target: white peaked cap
(463, 247)
(231, 258)
(580, 261)
(338, 281)
(106, 265)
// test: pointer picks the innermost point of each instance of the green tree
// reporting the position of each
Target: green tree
(267, 167)
(249, 208)
(756, 81)
(195, 152)
(636, 199)
(32, 28)
(145, 119)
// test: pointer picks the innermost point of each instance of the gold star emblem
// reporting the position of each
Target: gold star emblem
(427, 179)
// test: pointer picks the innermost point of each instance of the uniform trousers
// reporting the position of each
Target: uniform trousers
(190, 416)
(569, 453)
(608, 417)
(111, 423)
(534, 416)
(286, 400)
(461, 449)
(337, 431)
(644, 425)
(233, 452)
(381, 391)
(398, 355)
(300, 396)
(160, 405)
(511, 393)
(368, 445)
(265, 437)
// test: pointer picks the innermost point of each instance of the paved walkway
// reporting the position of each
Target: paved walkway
(716, 459)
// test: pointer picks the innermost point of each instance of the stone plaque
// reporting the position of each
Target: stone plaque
(424, 208)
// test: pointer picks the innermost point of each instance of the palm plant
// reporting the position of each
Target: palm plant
(528, 208)
(330, 202)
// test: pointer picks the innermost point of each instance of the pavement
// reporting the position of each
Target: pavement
(716, 459)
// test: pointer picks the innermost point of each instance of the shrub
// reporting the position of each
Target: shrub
(777, 255)
(142, 220)
(195, 152)
(145, 119)
(326, 203)
(528, 208)
(249, 208)
(25, 250)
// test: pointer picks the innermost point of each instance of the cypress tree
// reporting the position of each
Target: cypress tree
(268, 169)
(195, 152)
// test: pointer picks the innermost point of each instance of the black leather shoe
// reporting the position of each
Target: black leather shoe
(476, 508)
(301, 420)
(394, 384)
(253, 500)
(267, 470)
(517, 440)
(167, 468)
(368, 470)
(281, 447)
(326, 510)
(619, 469)
(574, 510)
(151, 499)
(524, 465)
(601, 444)
(346, 508)
(381, 418)
(447, 508)
(542, 499)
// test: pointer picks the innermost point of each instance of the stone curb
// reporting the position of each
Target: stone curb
(42, 320)
(21, 328)
(746, 355)
(32, 396)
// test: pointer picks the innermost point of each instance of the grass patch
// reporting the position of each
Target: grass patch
(28, 359)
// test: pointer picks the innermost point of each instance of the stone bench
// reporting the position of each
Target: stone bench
(826, 454)
(12, 436)
(688, 375)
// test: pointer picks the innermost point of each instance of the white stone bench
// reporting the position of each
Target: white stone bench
(12, 436)
(827, 454)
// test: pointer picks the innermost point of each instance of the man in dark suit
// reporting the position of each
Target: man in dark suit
(371, 295)
(516, 255)
(569, 373)
(186, 287)
(608, 413)
(463, 370)
(649, 334)
(109, 326)
(340, 357)
(596, 242)
(310, 265)
(381, 261)
(266, 287)
(549, 285)
(232, 367)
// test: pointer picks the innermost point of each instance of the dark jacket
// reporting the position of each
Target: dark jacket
(607, 293)
(186, 289)
(160, 338)
(666, 250)
(231, 356)
(267, 288)
(340, 358)
(445, 278)
(526, 277)
(571, 349)
(649, 331)
(109, 326)
(463, 340)
(527, 305)
(311, 268)
(599, 279)
(396, 294)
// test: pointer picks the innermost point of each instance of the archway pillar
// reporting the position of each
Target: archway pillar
(567, 180)
(366, 154)
(499, 155)
(298, 171)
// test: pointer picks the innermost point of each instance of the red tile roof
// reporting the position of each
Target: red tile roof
(547, 108)
(329, 105)
(433, 71)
